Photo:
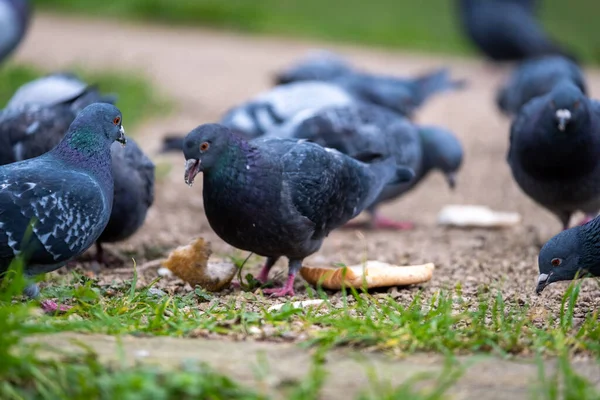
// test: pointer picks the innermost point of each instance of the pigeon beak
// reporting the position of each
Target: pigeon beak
(563, 116)
(542, 282)
(451, 179)
(122, 139)
(192, 167)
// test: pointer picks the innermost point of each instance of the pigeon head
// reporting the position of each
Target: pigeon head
(442, 151)
(203, 147)
(567, 105)
(559, 259)
(95, 128)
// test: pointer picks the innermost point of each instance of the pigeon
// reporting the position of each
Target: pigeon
(506, 30)
(573, 253)
(361, 129)
(133, 174)
(55, 206)
(319, 65)
(36, 119)
(535, 78)
(280, 197)
(553, 153)
(38, 115)
(14, 22)
(403, 95)
(275, 106)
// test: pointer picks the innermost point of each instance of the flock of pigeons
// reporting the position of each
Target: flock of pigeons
(285, 168)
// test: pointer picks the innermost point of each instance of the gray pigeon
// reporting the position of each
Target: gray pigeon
(275, 106)
(554, 148)
(321, 65)
(535, 78)
(506, 30)
(360, 129)
(37, 116)
(62, 198)
(14, 21)
(570, 254)
(403, 95)
(280, 197)
(36, 119)
(133, 174)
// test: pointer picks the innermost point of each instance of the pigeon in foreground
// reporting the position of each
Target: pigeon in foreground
(14, 21)
(38, 115)
(535, 78)
(363, 128)
(554, 152)
(571, 254)
(133, 174)
(53, 207)
(506, 30)
(280, 197)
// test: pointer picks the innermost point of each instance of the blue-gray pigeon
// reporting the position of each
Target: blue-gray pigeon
(14, 21)
(506, 30)
(536, 77)
(55, 206)
(554, 148)
(281, 197)
(574, 253)
(361, 129)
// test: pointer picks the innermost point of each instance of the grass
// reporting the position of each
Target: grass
(443, 324)
(137, 98)
(423, 25)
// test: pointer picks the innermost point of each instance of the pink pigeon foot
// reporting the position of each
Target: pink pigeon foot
(50, 307)
(386, 223)
(286, 290)
(586, 219)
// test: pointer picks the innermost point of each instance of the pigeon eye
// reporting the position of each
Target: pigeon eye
(117, 120)
(556, 262)
(204, 146)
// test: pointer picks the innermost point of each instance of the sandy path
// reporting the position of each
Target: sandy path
(206, 72)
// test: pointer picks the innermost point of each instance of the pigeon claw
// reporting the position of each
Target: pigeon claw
(280, 292)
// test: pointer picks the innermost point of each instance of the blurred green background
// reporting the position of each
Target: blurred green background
(422, 25)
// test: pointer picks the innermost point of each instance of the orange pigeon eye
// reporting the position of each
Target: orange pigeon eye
(204, 146)
(556, 262)
(117, 120)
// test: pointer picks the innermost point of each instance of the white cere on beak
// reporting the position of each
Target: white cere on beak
(563, 114)
(542, 278)
(122, 130)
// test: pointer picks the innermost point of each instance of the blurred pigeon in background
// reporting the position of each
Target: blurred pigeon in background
(535, 78)
(360, 129)
(507, 30)
(554, 152)
(53, 207)
(280, 197)
(14, 21)
(320, 65)
(571, 254)
(133, 174)
(38, 115)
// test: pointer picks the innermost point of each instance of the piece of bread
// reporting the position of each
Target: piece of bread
(190, 263)
(372, 274)
(472, 216)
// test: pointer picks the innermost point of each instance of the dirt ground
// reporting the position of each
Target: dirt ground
(206, 72)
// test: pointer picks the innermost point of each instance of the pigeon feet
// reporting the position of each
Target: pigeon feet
(586, 219)
(386, 223)
(263, 276)
(286, 290)
(50, 307)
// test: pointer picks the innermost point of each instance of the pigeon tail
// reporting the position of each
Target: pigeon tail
(384, 173)
(435, 82)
